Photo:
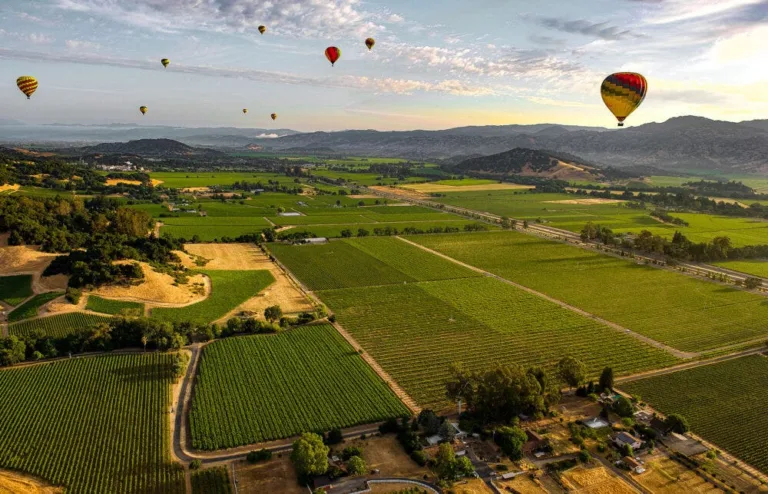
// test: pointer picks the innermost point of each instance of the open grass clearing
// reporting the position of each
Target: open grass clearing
(15, 289)
(29, 308)
(114, 307)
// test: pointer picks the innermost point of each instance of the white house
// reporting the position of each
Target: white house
(623, 438)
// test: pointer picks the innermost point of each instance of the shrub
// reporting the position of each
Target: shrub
(257, 456)
(420, 457)
(195, 464)
(351, 451)
(334, 436)
(73, 295)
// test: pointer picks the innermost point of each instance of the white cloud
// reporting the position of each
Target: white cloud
(684, 10)
(396, 19)
(76, 44)
(38, 38)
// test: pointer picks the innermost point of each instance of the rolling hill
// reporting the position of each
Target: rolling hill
(150, 147)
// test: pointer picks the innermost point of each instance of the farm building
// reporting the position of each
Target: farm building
(596, 423)
(289, 213)
(643, 416)
(624, 438)
(633, 464)
(316, 240)
(534, 442)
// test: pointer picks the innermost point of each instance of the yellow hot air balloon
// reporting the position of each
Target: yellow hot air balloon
(245, 110)
(143, 110)
(369, 43)
(262, 29)
(165, 62)
(274, 116)
(622, 93)
(27, 84)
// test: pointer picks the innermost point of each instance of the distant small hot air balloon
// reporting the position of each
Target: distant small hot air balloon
(262, 29)
(622, 93)
(165, 62)
(369, 42)
(332, 54)
(274, 116)
(245, 110)
(27, 84)
(143, 110)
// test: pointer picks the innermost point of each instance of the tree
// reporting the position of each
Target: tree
(584, 456)
(606, 379)
(525, 223)
(334, 436)
(464, 467)
(362, 232)
(677, 423)
(623, 407)
(429, 421)
(273, 313)
(445, 462)
(511, 441)
(346, 233)
(257, 456)
(573, 372)
(447, 431)
(356, 466)
(12, 351)
(132, 222)
(752, 283)
(310, 455)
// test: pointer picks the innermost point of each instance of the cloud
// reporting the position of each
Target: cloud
(396, 19)
(557, 102)
(601, 30)
(35, 38)
(76, 44)
(686, 10)
(546, 40)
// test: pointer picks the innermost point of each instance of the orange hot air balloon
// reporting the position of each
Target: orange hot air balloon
(332, 54)
(27, 84)
(143, 110)
(622, 93)
(262, 29)
(274, 116)
(369, 43)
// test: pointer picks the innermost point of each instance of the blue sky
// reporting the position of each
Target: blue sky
(435, 64)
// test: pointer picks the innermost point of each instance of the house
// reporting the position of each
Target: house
(596, 423)
(534, 442)
(643, 416)
(633, 464)
(460, 434)
(624, 438)
(433, 440)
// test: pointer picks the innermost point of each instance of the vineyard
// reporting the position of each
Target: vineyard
(114, 307)
(58, 326)
(29, 308)
(104, 425)
(416, 331)
(686, 313)
(15, 289)
(229, 289)
(257, 388)
(211, 481)
(725, 403)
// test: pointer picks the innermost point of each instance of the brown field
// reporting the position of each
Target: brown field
(666, 476)
(34, 153)
(597, 480)
(474, 486)
(523, 484)
(9, 188)
(60, 306)
(244, 257)
(23, 259)
(157, 289)
(427, 188)
(13, 483)
(276, 475)
(386, 454)
(363, 196)
(587, 202)
(115, 181)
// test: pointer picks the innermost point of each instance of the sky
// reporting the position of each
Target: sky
(436, 64)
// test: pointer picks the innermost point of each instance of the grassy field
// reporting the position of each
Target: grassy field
(177, 180)
(755, 267)
(419, 313)
(29, 308)
(114, 307)
(257, 388)
(335, 231)
(686, 313)
(362, 178)
(466, 181)
(58, 326)
(725, 403)
(15, 289)
(97, 424)
(364, 262)
(229, 289)
(211, 481)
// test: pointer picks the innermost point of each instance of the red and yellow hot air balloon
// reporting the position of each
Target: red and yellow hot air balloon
(27, 84)
(369, 42)
(622, 93)
(143, 110)
(332, 54)
(274, 116)
(262, 29)
(165, 62)
(245, 110)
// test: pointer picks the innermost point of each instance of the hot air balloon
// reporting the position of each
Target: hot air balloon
(369, 42)
(27, 84)
(245, 110)
(262, 29)
(143, 110)
(622, 93)
(274, 116)
(332, 54)
(165, 62)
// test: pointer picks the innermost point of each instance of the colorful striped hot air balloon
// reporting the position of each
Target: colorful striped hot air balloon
(27, 84)
(143, 110)
(165, 62)
(262, 29)
(369, 42)
(622, 93)
(332, 54)
(274, 116)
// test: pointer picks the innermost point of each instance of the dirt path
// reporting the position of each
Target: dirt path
(156, 230)
(677, 353)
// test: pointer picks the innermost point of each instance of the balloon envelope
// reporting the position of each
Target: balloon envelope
(262, 29)
(622, 93)
(165, 62)
(274, 116)
(245, 110)
(332, 54)
(143, 109)
(27, 84)
(370, 42)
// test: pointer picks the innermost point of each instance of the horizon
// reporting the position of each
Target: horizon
(497, 63)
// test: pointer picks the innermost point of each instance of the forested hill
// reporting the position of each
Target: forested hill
(150, 147)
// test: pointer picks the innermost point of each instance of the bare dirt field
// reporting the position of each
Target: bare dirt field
(23, 259)
(363, 196)
(587, 202)
(474, 486)
(13, 483)
(386, 454)
(115, 181)
(158, 288)
(596, 480)
(276, 475)
(8, 188)
(666, 476)
(523, 484)
(427, 188)
(60, 306)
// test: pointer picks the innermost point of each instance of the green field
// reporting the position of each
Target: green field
(96, 424)
(466, 181)
(15, 289)
(725, 403)
(364, 262)
(29, 308)
(362, 178)
(335, 231)
(176, 180)
(683, 312)
(755, 267)
(416, 329)
(229, 289)
(114, 307)
(57, 326)
(257, 388)
(211, 481)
